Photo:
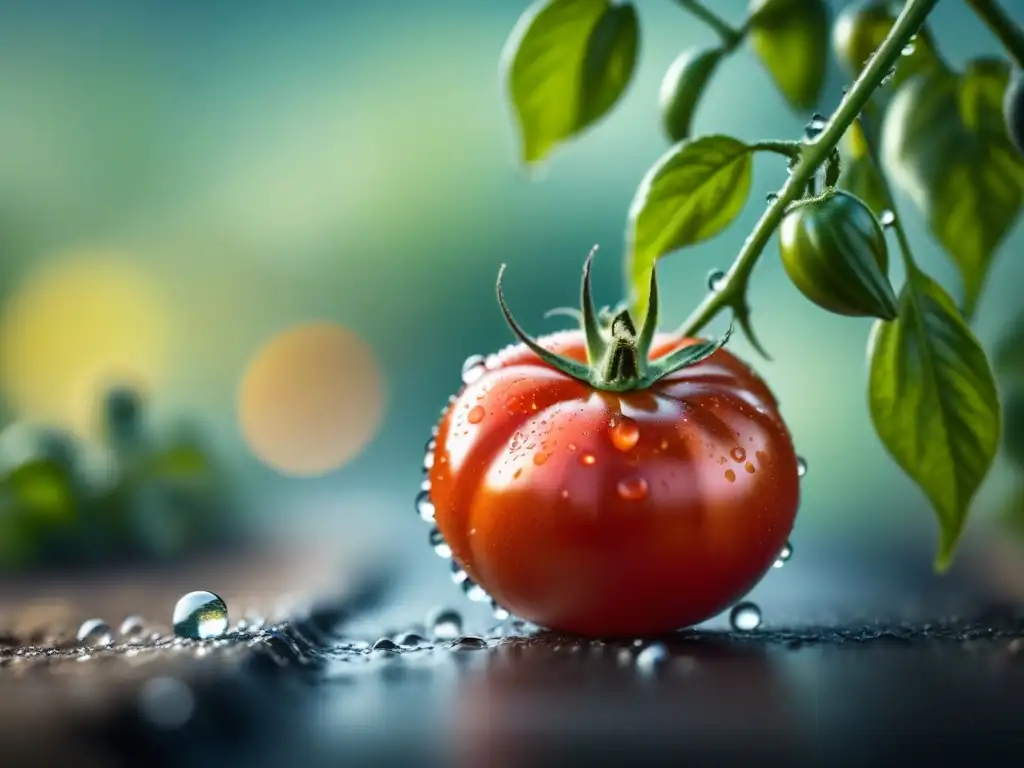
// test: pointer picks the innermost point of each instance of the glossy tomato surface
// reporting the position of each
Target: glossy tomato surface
(614, 514)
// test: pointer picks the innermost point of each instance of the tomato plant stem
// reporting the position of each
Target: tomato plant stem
(731, 36)
(1003, 27)
(732, 291)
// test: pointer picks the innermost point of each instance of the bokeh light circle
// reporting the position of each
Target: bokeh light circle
(75, 328)
(311, 399)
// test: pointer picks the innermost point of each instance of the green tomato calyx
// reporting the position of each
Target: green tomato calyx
(618, 356)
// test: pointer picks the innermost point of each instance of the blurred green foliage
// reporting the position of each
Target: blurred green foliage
(134, 496)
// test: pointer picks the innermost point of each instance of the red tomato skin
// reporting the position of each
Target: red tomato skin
(614, 514)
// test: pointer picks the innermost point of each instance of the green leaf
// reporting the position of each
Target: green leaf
(860, 177)
(946, 144)
(934, 404)
(791, 37)
(691, 194)
(567, 63)
(1009, 353)
(42, 488)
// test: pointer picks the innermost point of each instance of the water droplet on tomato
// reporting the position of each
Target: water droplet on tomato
(445, 624)
(564, 493)
(428, 461)
(716, 278)
(571, 447)
(784, 554)
(476, 414)
(730, 476)
(517, 473)
(887, 218)
(501, 614)
(801, 466)
(458, 575)
(633, 489)
(588, 458)
(440, 546)
(473, 368)
(652, 658)
(431, 445)
(625, 433)
(738, 454)
(749, 467)
(540, 458)
(425, 507)
(474, 591)
(745, 617)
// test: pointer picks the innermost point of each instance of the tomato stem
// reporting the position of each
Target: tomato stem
(731, 37)
(618, 358)
(1002, 26)
(732, 290)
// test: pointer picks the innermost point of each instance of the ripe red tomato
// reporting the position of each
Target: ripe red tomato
(614, 513)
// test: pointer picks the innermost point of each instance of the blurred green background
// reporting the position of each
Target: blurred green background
(180, 181)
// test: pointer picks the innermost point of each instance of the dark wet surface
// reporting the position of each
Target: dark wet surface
(312, 689)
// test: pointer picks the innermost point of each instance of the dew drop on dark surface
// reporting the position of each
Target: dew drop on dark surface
(425, 507)
(651, 658)
(440, 546)
(468, 643)
(200, 616)
(132, 629)
(95, 633)
(385, 644)
(445, 624)
(745, 617)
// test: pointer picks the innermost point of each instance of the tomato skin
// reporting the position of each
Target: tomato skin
(574, 520)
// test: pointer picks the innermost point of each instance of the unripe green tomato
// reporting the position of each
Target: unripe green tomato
(682, 87)
(1013, 109)
(834, 251)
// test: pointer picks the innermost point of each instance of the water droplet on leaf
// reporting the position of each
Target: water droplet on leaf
(887, 218)
(94, 633)
(200, 616)
(745, 617)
